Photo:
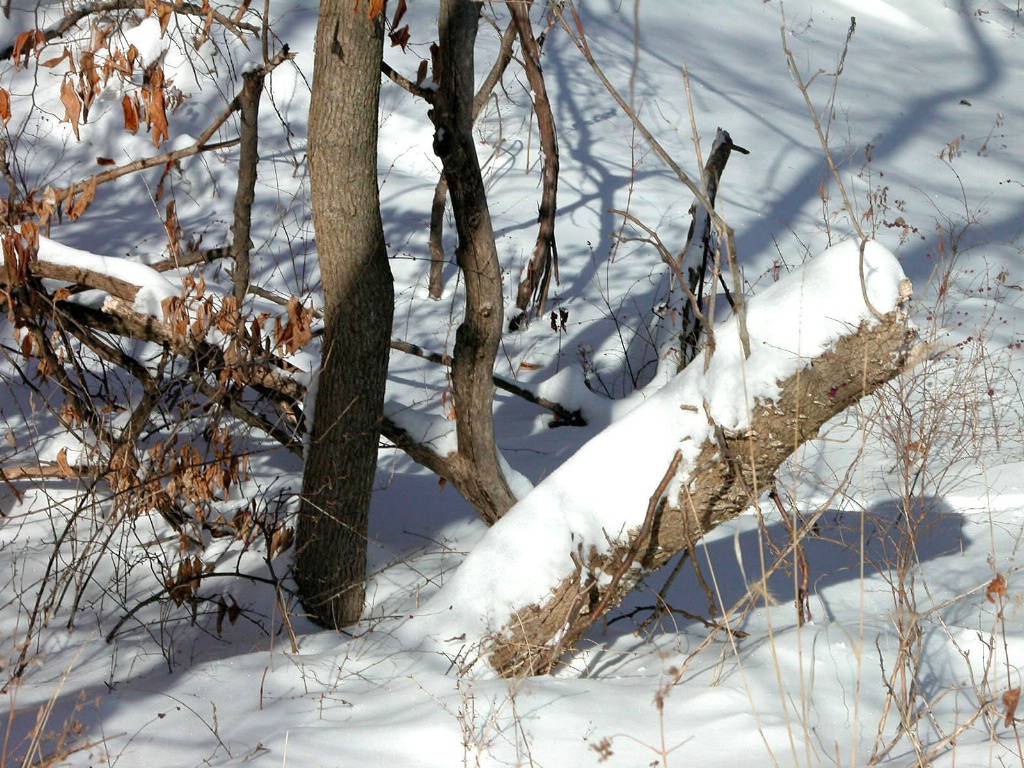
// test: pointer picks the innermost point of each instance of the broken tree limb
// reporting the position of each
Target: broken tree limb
(716, 489)
(697, 262)
(726, 234)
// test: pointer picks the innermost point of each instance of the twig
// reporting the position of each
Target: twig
(823, 140)
(565, 417)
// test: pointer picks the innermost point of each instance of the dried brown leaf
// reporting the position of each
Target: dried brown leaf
(222, 610)
(72, 105)
(69, 473)
(82, 201)
(156, 107)
(164, 12)
(281, 541)
(173, 230)
(46, 208)
(5, 105)
(996, 587)
(25, 43)
(88, 81)
(1010, 700)
(131, 114)
(296, 330)
(399, 13)
(51, 63)
(400, 37)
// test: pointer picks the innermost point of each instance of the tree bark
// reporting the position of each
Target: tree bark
(478, 337)
(330, 562)
(730, 474)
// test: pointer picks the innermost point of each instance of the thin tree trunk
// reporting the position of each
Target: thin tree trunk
(249, 114)
(330, 564)
(478, 337)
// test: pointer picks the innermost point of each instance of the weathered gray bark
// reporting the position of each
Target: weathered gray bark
(330, 562)
(731, 473)
(478, 337)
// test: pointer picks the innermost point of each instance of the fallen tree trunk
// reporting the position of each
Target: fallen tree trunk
(730, 474)
(692, 455)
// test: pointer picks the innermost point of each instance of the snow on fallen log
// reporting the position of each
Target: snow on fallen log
(706, 444)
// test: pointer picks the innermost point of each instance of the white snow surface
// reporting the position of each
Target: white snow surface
(914, 492)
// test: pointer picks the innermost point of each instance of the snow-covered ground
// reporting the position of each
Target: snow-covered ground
(913, 497)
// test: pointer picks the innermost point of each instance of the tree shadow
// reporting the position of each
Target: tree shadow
(881, 547)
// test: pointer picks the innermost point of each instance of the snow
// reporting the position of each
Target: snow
(915, 492)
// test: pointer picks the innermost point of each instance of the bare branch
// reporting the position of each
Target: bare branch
(564, 417)
(536, 278)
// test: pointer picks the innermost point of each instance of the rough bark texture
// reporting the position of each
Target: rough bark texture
(730, 474)
(330, 563)
(478, 337)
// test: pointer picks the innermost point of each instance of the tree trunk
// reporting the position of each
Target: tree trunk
(330, 564)
(478, 337)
